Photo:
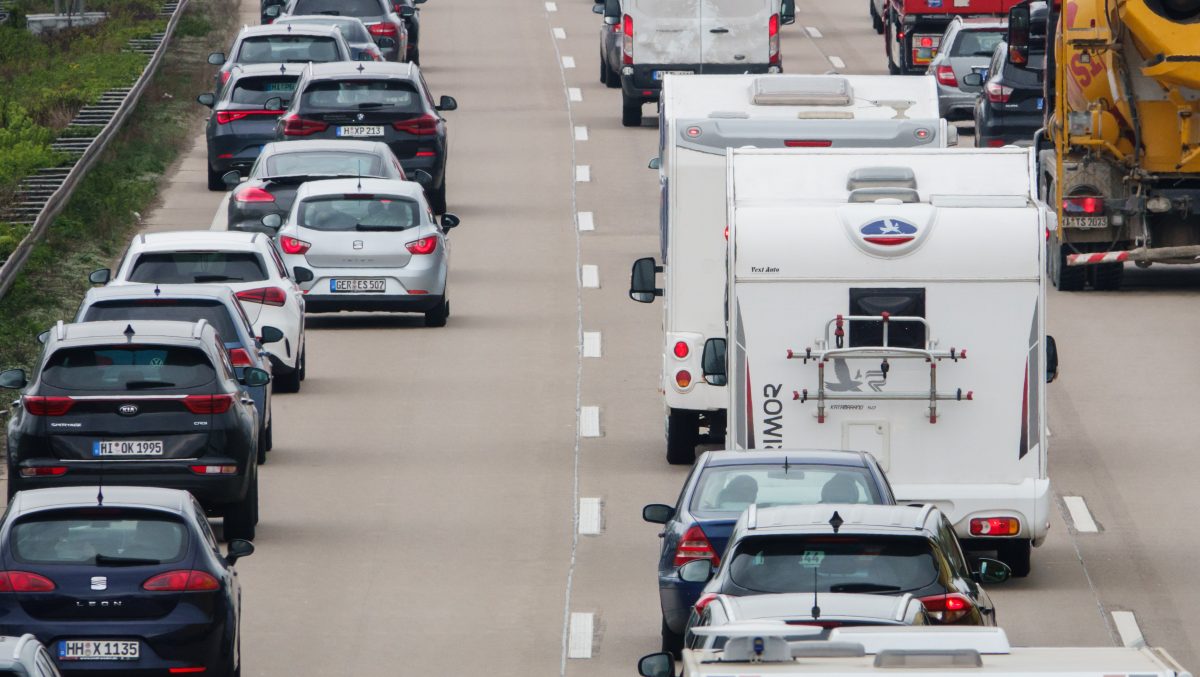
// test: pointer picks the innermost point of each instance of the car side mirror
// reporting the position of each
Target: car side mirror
(657, 513)
(598, 8)
(408, 12)
(696, 571)
(447, 103)
(271, 334)
(787, 13)
(274, 11)
(206, 99)
(1051, 359)
(273, 103)
(231, 178)
(13, 379)
(101, 276)
(642, 280)
(973, 80)
(273, 221)
(422, 177)
(990, 571)
(301, 274)
(216, 58)
(238, 548)
(254, 377)
(1018, 35)
(712, 363)
(657, 665)
(450, 221)
(655, 163)
(43, 337)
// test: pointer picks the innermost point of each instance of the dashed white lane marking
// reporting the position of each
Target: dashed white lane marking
(568, 62)
(560, 34)
(574, 94)
(581, 133)
(587, 222)
(580, 643)
(812, 31)
(583, 173)
(591, 344)
(837, 62)
(1080, 515)
(589, 516)
(589, 276)
(1127, 627)
(551, 7)
(589, 421)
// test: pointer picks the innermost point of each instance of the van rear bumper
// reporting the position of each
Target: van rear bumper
(1028, 501)
(642, 84)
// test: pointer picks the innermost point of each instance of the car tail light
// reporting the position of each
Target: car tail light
(683, 378)
(694, 545)
(807, 143)
(253, 194)
(208, 404)
(271, 296)
(45, 471)
(995, 526)
(383, 30)
(995, 143)
(681, 349)
(627, 40)
(23, 581)
(773, 38)
(426, 125)
(182, 580)
(226, 116)
(996, 92)
(240, 358)
(225, 76)
(187, 671)
(214, 469)
(294, 125)
(924, 48)
(946, 76)
(425, 245)
(1083, 205)
(47, 406)
(705, 599)
(291, 245)
(926, 41)
(426, 153)
(947, 608)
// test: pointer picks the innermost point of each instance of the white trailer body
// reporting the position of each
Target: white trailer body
(832, 242)
(701, 117)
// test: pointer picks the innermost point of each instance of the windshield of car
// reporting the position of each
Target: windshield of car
(339, 7)
(309, 163)
(727, 490)
(99, 537)
(256, 91)
(834, 563)
(179, 310)
(288, 49)
(352, 29)
(359, 213)
(393, 95)
(128, 367)
(977, 42)
(197, 267)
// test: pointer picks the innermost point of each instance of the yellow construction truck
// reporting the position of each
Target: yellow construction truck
(1120, 151)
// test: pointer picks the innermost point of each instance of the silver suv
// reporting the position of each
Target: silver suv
(966, 48)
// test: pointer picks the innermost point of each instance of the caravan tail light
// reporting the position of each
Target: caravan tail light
(683, 378)
(808, 143)
(995, 526)
(681, 349)
(945, 75)
(947, 608)
(1083, 205)
(627, 40)
(773, 39)
(694, 545)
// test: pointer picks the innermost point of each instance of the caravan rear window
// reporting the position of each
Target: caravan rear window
(896, 303)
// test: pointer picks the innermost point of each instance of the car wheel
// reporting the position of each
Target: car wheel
(241, 518)
(215, 182)
(289, 382)
(887, 45)
(603, 70)
(415, 57)
(1062, 276)
(672, 642)
(437, 317)
(260, 453)
(271, 435)
(683, 432)
(11, 486)
(1017, 556)
(614, 78)
(303, 363)
(437, 199)
(876, 20)
(631, 112)
(1108, 276)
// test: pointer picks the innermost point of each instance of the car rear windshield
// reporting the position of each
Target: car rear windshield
(99, 537)
(197, 267)
(128, 367)
(352, 30)
(256, 91)
(727, 490)
(834, 563)
(339, 7)
(393, 96)
(323, 162)
(359, 213)
(179, 310)
(288, 49)
(1024, 78)
(977, 42)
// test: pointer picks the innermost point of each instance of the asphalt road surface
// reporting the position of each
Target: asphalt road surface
(421, 509)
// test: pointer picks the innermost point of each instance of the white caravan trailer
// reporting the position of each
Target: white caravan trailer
(762, 649)
(700, 118)
(894, 303)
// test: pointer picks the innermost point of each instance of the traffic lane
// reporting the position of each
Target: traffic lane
(842, 33)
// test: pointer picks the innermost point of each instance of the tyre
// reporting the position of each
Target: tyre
(271, 435)
(683, 432)
(631, 112)
(437, 199)
(415, 57)
(437, 317)
(11, 487)
(215, 182)
(261, 451)
(288, 382)
(303, 363)
(1062, 276)
(241, 518)
(1017, 556)
(614, 78)
(876, 20)
(1108, 276)
(603, 70)
(887, 45)
(671, 642)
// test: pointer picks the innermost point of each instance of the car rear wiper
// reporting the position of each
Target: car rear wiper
(375, 104)
(145, 385)
(377, 227)
(330, 12)
(111, 561)
(863, 587)
(214, 278)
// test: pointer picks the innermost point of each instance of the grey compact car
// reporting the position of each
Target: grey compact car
(285, 44)
(25, 656)
(966, 48)
(362, 45)
(394, 24)
(240, 123)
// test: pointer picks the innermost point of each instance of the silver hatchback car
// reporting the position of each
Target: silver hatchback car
(367, 245)
(966, 48)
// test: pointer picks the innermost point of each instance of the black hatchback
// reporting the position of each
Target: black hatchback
(144, 402)
(121, 581)
(388, 102)
(1010, 108)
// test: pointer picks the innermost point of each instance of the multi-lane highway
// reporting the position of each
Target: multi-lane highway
(421, 511)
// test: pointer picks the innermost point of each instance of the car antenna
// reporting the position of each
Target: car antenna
(358, 166)
(129, 333)
(157, 289)
(836, 521)
(360, 67)
(786, 466)
(816, 610)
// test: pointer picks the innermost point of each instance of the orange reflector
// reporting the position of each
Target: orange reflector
(683, 378)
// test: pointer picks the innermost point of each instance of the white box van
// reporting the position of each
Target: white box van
(895, 304)
(700, 117)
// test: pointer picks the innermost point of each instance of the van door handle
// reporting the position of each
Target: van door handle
(719, 30)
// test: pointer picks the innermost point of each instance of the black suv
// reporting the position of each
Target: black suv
(1011, 107)
(151, 403)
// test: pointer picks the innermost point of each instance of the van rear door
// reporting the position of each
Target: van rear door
(735, 31)
(666, 32)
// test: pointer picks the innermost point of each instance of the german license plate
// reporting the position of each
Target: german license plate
(659, 75)
(368, 286)
(127, 448)
(1040, 103)
(1085, 222)
(281, 87)
(360, 130)
(99, 650)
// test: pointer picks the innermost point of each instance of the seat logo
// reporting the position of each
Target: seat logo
(358, 244)
(888, 232)
(127, 410)
(99, 582)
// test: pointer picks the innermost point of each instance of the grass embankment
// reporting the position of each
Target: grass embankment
(100, 218)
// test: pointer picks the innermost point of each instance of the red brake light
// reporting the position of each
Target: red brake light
(946, 608)
(227, 116)
(773, 38)
(240, 358)
(208, 404)
(1083, 205)
(426, 125)
(695, 545)
(995, 526)
(808, 143)
(294, 125)
(425, 245)
(47, 406)
(182, 581)
(187, 671)
(996, 92)
(291, 245)
(271, 296)
(383, 30)
(627, 40)
(23, 581)
(44, 471)
(945, 75)
(927, 42)
(681, 349)
(253, 194)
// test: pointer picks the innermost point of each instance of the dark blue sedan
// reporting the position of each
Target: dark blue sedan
(722, 484)
(121, 581)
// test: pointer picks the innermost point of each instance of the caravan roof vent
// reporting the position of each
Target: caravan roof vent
(952, 658)
(877, 177)
(729, 115)
(891, 193)
(802, 90)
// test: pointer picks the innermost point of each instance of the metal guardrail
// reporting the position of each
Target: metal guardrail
(42, 197)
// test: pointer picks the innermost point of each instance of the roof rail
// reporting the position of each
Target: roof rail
(22, 642)
(60, 330)
(143, 237)
(924, 515)
(902, 603)
(752, 516)
(198, 330)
